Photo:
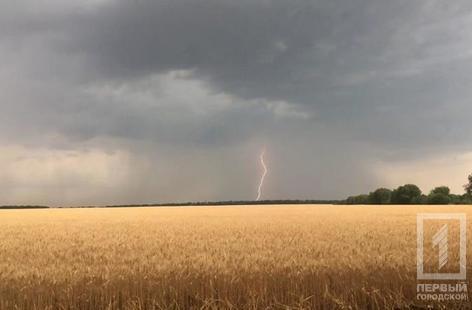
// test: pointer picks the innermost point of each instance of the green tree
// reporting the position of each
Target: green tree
(358, 200)
(420, 200)
(456, 199)
(466, 199)
(439, 196)
(468, 186)
(444, 190)
(406, 194)
(438, 199)
(380, 196)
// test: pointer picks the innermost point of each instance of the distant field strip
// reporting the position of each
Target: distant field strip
(282, 257)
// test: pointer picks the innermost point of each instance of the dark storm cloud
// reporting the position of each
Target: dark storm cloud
(365, 80)
(362, 65)
(254, 48)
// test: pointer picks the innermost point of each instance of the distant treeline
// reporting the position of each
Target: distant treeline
(411, 194)
(200, 203)
(223, 203)
(406, 194)
(23, 207)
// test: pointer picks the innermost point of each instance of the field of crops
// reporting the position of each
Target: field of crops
(210, 257)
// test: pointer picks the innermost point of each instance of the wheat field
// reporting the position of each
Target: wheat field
(271, 257)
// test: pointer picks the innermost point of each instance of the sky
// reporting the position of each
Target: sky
(144, 101)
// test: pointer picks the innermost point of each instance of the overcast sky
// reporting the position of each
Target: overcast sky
(119, 101)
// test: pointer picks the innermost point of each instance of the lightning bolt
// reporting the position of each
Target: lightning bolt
(261, 182)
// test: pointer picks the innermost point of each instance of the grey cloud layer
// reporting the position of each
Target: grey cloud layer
(356, 62)
(374, 80)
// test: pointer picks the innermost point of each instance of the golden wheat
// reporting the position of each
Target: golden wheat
(322, 257)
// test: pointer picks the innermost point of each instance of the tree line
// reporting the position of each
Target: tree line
(412, 194)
